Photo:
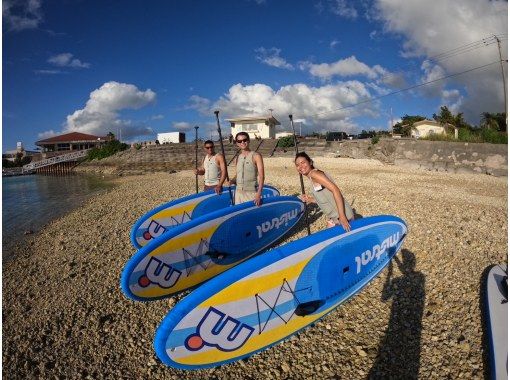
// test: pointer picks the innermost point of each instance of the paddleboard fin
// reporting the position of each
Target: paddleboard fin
(307, 308)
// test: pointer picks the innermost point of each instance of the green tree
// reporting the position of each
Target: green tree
(405, 127)
(495, 121)
(445, 119)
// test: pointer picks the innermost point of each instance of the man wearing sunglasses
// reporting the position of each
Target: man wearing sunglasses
(249, 178)
(214, 168)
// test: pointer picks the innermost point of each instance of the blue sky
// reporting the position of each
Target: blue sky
(142, 67)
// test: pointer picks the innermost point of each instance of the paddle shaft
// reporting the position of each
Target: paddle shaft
(300, 175)
(196, 159)
(223, 152)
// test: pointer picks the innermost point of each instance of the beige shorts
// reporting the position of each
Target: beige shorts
(244, 196)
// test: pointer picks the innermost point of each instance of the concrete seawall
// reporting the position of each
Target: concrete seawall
(453, 157)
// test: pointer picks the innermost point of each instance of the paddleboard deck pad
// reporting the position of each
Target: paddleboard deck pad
(198, 250)
(496, 303)
(272, 296)
(161, 219)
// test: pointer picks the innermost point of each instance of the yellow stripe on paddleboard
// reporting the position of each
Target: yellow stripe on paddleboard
(194, 279)
(255, 343)
(168, 213)
(179, 242)
(255, 285)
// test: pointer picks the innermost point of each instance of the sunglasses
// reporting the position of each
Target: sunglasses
(242, 141)
(208, 147)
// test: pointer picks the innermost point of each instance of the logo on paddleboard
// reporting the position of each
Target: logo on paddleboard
(159, 273)
(155, 230)
(283, 220)
(216, 329)
(376, 251)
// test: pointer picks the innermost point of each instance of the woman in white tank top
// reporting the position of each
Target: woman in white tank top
(325, 193)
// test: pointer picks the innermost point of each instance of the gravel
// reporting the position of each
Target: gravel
(64, 315)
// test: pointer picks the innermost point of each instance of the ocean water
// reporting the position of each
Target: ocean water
(31, 201)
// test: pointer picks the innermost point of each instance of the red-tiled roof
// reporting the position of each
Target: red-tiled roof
(68, 137)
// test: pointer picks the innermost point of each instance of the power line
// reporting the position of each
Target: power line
(401, 90)
(462, 49)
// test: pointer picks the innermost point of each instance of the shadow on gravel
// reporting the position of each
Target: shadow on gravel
(399, 350)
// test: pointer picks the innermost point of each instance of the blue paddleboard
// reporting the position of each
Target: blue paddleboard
(496, 304)
(161, 219)
(272, 296)
(198, 250)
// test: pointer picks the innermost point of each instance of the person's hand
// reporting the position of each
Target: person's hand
(344, 223)
(218, 189)
(195, 171)
(306, 198)
(258, 199)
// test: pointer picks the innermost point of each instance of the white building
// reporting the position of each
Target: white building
(262, 126)
(171, 137)
(425, 128)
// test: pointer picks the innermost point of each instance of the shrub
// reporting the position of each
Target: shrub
(107, 150)
(286, 142)
(375, 140)
(494, 137)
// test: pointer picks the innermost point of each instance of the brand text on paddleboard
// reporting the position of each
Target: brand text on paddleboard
(376, 251)
(283, 220)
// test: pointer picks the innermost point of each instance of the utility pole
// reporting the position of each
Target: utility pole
(504, 80)
(391, 116)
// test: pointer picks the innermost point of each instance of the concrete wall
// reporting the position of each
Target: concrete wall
(430, 155)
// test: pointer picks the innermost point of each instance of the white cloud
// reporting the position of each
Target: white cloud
(452, 99)
(432, 72)
(48, 72)
(67, 60)
(47, 134)
(333, 43)
(429, 31)
(101, 113)
(271, 57)
(319, 105)
(343, 67)
(157, 117)
(200, 104)
(19, 15)
(182, 126)
(344, 9)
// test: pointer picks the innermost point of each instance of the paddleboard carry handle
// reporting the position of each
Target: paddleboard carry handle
(216, 254)
(307, 308)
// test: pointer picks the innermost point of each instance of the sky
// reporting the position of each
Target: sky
(138, 68)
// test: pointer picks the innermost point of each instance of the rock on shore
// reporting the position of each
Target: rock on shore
(64, 315)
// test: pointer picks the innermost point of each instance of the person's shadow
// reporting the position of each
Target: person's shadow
(399, 350)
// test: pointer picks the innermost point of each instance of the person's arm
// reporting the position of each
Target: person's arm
(257, 158)
(308, 199)
(220, 160)
(201, 169)
(320, 178)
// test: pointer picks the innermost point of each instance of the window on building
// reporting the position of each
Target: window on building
(250, 127)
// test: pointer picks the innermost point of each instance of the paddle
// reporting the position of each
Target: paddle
(196, 159)
(223, 152)
(300, 175)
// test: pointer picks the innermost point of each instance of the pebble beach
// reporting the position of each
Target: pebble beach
(65, 317)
